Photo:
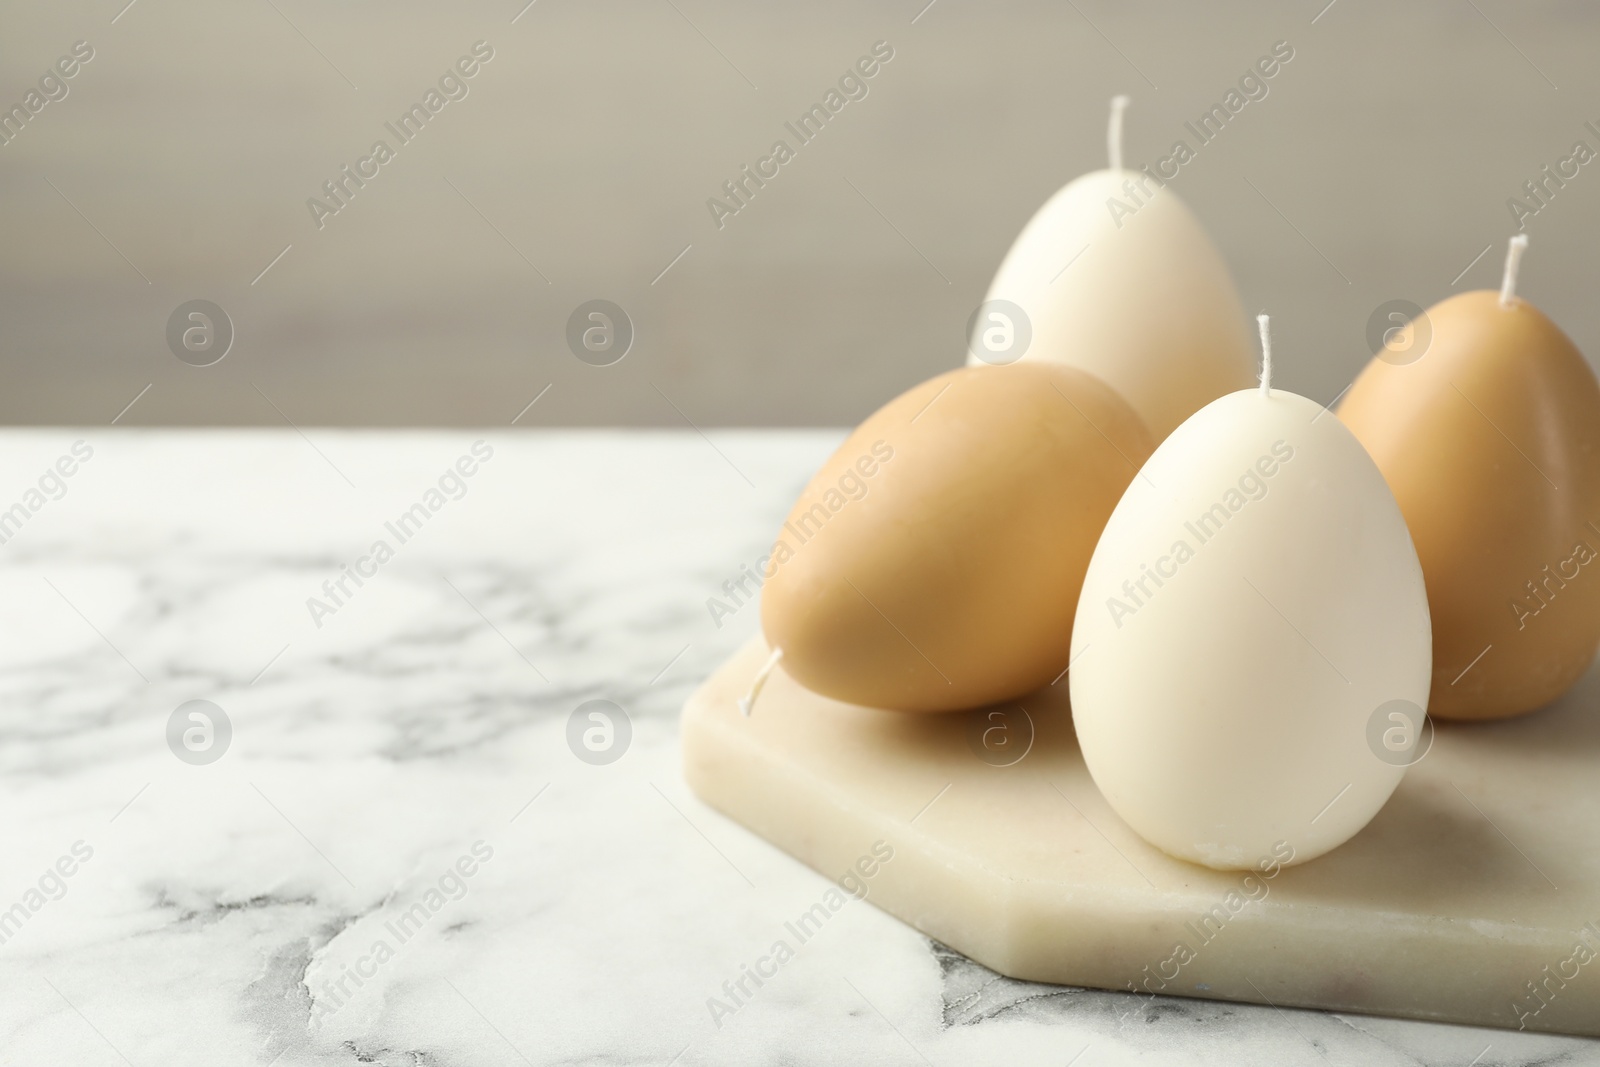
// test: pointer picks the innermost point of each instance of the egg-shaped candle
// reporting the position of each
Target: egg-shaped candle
(1251, 650)
(1115, 276)
(934, 562)
(1485, 419)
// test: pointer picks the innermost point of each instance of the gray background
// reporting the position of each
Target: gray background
(590, 144)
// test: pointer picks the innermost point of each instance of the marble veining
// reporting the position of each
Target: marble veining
(422, 730)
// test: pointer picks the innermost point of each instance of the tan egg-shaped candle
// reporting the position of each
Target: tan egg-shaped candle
(1488, 431)
(934, 562)
(1251, 648)
(1115, 276)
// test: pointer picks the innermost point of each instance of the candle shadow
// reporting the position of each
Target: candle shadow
(1498, 822)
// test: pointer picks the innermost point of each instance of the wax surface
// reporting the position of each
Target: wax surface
(1252, 604)
(1491, 443)
(934, 561)
(1147, 306)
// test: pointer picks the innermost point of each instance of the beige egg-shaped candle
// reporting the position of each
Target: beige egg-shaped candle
(934, 562)
(1485, 419)
(1115, 276)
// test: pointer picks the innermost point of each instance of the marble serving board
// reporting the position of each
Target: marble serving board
(1473, 896)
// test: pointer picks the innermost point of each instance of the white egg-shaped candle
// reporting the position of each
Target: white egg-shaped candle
(1252, 652)
(1115, 276)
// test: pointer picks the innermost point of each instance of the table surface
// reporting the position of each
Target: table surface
(417, 729)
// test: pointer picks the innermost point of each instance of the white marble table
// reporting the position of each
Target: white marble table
(213, 910)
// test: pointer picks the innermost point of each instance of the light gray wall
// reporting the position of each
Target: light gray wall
(592, 140)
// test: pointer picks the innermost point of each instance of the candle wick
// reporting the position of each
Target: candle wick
(1114, 131)
(1508, 287)
(1266, 355)
(748, 701)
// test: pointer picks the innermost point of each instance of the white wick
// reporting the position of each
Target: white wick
(1508, 287)
(1266, 355)
(1114, 131)
(748, 701)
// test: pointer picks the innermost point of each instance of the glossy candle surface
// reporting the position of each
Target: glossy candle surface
(1490, 440)
(1140, 299)
(934, 562)
(1252, 606)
